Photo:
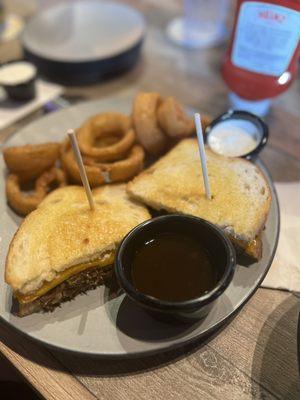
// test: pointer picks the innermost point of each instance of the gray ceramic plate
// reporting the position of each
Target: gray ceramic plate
(96, 323)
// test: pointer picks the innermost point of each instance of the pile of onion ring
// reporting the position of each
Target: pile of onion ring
(32, 175)
(112, 145)
(108, 148)
(159, 122)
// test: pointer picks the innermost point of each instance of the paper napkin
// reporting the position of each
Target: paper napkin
(285, 270)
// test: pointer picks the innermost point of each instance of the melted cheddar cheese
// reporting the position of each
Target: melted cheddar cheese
(63, 276)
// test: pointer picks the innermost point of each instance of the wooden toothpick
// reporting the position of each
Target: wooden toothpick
(82, 172)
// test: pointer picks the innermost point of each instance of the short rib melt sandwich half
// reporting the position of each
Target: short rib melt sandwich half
(241, 196)
(63, 248)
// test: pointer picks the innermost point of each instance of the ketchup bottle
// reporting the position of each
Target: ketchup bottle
(261, 61)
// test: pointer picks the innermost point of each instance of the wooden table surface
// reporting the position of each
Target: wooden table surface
(253, 357)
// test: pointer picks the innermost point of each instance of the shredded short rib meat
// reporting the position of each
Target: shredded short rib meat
(67, 290)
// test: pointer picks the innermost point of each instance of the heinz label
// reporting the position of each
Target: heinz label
(266, 37)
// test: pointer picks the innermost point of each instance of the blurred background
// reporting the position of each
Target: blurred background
(188, 39)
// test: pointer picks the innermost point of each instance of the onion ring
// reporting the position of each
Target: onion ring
(53, 175)
(101, 173)
(173, 119)
(102, 126)
(205, 121)
(148, 132)
(175, 122)
(23, 204)
(64, 147)
(30, 161)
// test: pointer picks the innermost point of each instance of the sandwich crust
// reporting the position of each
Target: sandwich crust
(241, 196)
(63, 232)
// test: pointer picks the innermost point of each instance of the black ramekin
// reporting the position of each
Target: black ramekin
(247, 116)
(22, 91)
(213, 238)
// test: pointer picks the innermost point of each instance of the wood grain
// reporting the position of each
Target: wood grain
(262, 342)
(242, 362)
(283, 134)
(52, 382)
(253, 357)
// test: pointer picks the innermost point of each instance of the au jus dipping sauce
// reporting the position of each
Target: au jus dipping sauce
(173, 267)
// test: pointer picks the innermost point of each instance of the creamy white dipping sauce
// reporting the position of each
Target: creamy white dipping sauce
(234, 137)
(16, 73)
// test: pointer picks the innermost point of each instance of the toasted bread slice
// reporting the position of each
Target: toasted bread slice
(241, 196)
(64, 234)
